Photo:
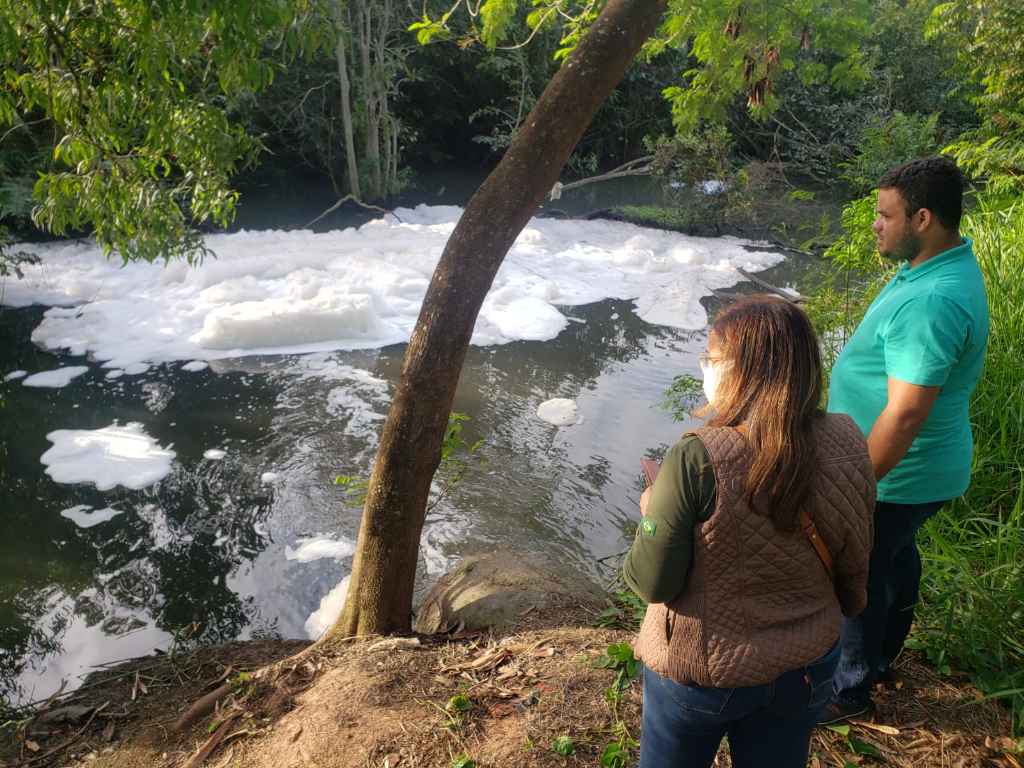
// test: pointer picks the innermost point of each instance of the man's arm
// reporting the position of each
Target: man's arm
(898, 425)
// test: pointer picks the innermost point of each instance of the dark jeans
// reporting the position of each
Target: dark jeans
(873, 640)
(766, 724)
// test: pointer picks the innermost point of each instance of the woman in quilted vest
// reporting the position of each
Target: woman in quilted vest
(754, 544)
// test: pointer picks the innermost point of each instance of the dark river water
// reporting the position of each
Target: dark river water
(220, 549)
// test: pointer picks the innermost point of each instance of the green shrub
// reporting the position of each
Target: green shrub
(886, 142)
(972, 609)
(972, 592)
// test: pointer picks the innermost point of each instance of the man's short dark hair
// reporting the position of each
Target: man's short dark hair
(934, 183)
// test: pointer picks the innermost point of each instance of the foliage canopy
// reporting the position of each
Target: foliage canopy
(138, 95)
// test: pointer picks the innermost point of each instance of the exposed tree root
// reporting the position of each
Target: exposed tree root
(200, 755)
(201, 708)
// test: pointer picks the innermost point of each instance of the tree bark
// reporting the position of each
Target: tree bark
(346, 104)
(384, 568)
(371, 98)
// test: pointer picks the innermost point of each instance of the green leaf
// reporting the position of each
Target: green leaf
(497, 17)
(614, 756)
(463, 761)
(563, 746)
(459, 703)
(842, 730)
(860, 747)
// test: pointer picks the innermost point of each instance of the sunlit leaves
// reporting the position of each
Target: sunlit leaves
(739, 49)
(139, 95)
(497, 17)
(430, 30)
(742, 48)
(989, 40)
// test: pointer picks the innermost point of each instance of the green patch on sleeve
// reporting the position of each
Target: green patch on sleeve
(649, 527)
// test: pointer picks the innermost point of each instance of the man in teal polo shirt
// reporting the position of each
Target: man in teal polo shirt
(906, 377)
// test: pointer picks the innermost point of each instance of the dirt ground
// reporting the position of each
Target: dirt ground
(431, 701)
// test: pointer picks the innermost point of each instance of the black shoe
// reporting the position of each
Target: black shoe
(842, 708)
(887, 676)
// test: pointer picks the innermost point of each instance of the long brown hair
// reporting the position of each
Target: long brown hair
(771, 383)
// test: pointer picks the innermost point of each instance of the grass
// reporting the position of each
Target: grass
(662, 217)
(971, 616)
(972, 611)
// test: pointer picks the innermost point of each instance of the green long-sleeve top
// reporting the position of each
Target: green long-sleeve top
(683, 496)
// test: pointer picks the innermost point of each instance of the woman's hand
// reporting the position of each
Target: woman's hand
(644, 498)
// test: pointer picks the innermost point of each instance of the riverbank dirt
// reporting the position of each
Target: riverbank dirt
(499, 700)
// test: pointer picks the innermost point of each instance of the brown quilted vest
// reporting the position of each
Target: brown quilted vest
(758, 602)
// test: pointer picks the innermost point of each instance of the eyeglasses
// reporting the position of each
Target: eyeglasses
(707, 359)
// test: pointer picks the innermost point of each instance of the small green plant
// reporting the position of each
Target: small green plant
(625, 611)
(463, 761)
(618, 657)
(354, 488)
(617, 753)
(455, 711)
(456, 459)
(563, 746)
(459, 704)
(682, 396)
(856, 746)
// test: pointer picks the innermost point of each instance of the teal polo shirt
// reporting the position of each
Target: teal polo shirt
(928, 326)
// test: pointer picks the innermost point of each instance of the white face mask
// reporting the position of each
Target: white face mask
(712, 376)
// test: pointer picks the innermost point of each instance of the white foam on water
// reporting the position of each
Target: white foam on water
(318, 548)
(85, 516)
(268, 478)
(363, 420)
(117, 373)
(331, 606)
(107, 457)
(57, 378)
(195, 366)
(214, 454)
(558, 411)
(358, 288)
(433, 544)
(15, 375)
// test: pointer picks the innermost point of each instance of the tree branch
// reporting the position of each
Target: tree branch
(357, 201)
(626, 169)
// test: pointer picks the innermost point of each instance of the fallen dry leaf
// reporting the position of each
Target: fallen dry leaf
(487, 660)
(31, 746)
(1000, 744)
(394, 643)
(888, 730)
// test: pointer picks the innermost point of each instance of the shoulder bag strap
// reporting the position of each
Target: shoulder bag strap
(811, 531)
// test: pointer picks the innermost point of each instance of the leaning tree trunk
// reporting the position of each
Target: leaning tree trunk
(383, 571)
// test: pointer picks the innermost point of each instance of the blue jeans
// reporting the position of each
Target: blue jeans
(873, 640)
(766, 724)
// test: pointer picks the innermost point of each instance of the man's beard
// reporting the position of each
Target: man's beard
(905, 250)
